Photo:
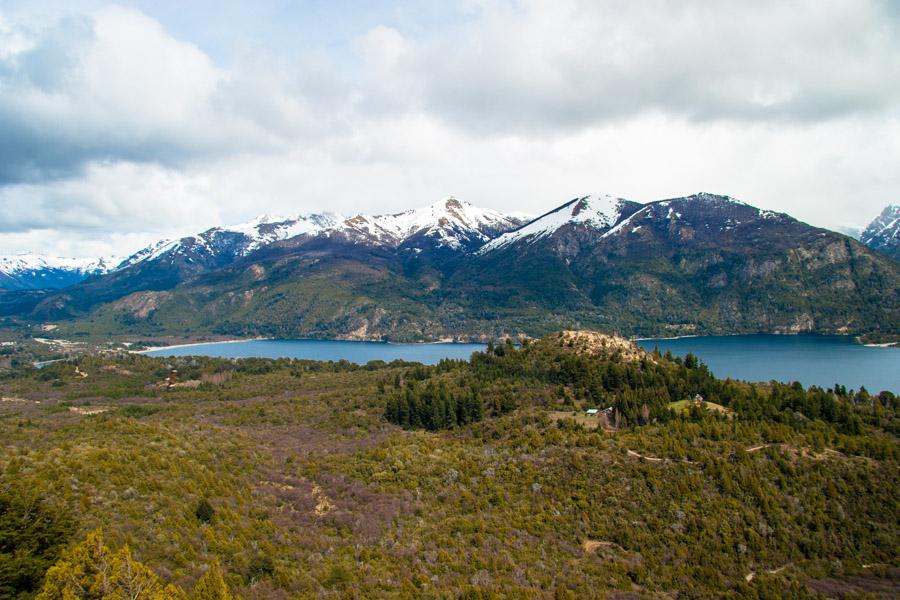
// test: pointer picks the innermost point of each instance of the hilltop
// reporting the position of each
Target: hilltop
(597, 344)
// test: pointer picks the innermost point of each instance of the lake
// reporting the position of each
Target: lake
(357, 352)
(809, 359)
(821, 360)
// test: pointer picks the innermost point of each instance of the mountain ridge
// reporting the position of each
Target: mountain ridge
(703, 263)
(28, 271)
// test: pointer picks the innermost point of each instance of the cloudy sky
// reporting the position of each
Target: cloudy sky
(123, 123)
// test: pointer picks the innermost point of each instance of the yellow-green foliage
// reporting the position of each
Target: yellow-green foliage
(211, 586)
(91, 571)
(315, 495)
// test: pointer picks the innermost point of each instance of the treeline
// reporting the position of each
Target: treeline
(442, 404)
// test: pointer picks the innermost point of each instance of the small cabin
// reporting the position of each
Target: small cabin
(591, 411)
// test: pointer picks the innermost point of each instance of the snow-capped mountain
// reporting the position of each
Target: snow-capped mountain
(34, 271)
(704, 262)
(598, 217)
(433, 234)
(600, 211)
(234, 240)
(883, 234)
(449, 223)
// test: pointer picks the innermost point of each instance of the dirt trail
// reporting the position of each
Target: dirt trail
(762, 447)
(807, 452)
(650, 458)
(827, 452)
(655, 459)
(591, 546)
(752, 574)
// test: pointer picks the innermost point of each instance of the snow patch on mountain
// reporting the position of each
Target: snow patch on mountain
(254, 234)
(151, 252)
(35, 271)
(267, 229)
(29, 262)
(883, 233)
(596, 211)
(708, 197)
(452, 223)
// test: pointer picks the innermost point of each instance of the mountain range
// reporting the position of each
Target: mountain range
(30, 271)
(699, 264)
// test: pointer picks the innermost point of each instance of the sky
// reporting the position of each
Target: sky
(124, 123)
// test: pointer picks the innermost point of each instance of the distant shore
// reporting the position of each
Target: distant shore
(674, 337)
(453, 341)
(174, 346)
(262, 339)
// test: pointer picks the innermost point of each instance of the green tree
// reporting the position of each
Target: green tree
(204, 511)
(91, 571)
(33, 533)
(212, 586)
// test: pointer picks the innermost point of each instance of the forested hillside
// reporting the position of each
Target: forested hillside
(468, 479)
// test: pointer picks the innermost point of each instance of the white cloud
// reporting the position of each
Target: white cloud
(114, 85)
(548, 65)
(114, 132)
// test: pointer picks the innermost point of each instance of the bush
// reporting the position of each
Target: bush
(204, 511)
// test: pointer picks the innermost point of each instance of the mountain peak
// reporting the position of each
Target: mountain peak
(710, 197)
(883, 233)
(451, 202)
(449, 222)
(31, 260)
(598, 211)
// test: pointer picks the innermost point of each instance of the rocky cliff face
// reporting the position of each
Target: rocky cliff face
(883, 233)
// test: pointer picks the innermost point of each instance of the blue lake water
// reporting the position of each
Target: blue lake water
(356, 352)
(821, 360)
(811, 360)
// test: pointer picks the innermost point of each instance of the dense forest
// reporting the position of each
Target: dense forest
(485, 478)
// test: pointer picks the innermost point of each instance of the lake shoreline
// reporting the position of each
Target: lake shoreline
(481, 339)
(822, 360)
(193, 344)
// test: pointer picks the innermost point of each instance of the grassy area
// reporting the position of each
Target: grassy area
(683, 406)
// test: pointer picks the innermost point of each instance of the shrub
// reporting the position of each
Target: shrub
(204, 511)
